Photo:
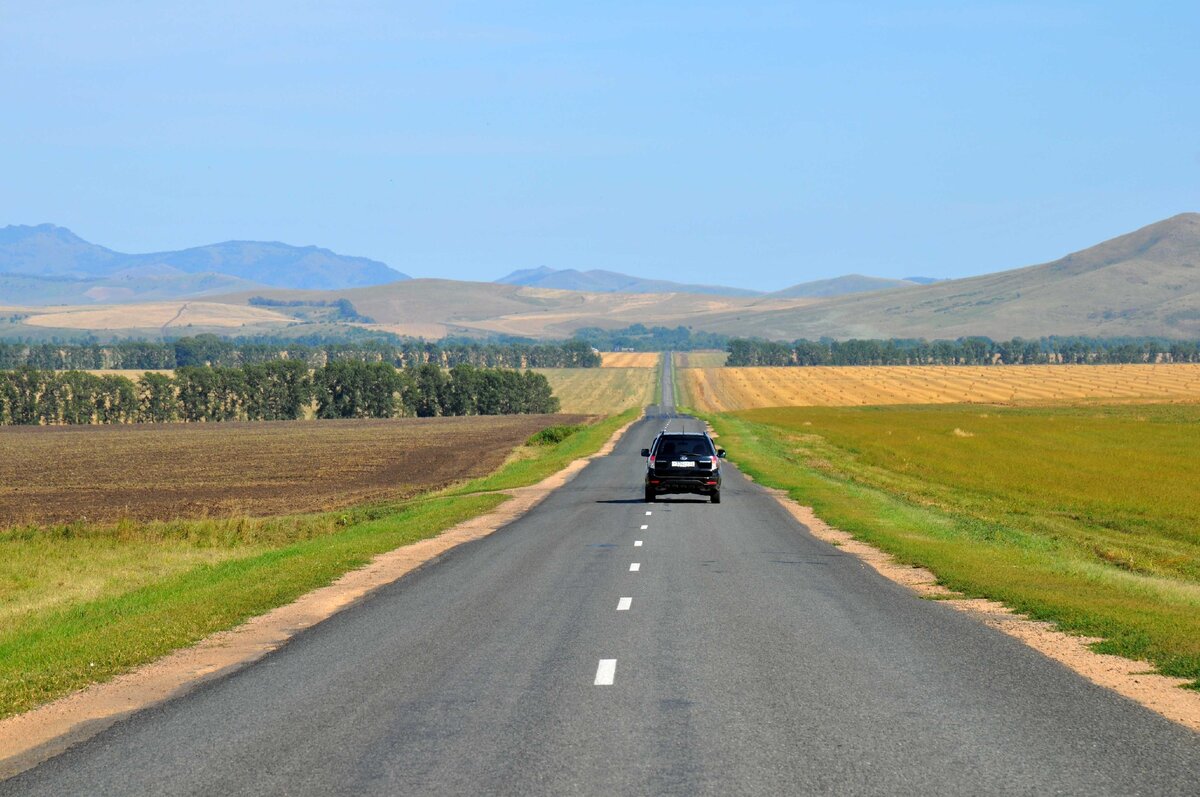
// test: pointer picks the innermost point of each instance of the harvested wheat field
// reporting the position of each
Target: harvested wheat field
(161, 472)
(601, 391)
(629, 359)
(722, 389)
(156, 314)
(700, 359)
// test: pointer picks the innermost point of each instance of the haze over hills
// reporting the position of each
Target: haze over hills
(47, 264)
(598, 281)
(1145, 283)
(850, 283)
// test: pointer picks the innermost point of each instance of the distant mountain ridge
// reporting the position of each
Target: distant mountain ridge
(840, 286)
(599, 281)
(1143, 283)
(50, 264)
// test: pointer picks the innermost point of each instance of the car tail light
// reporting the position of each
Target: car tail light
(652, 460)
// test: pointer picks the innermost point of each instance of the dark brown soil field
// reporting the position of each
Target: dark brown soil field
(161, 472)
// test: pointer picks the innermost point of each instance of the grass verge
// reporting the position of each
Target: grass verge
(1096, 563)
(179, 582)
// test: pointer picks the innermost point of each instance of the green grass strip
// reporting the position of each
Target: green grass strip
(1140, 616)
(47, 654)
(551, 459)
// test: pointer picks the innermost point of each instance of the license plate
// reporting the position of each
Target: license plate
(683, 464)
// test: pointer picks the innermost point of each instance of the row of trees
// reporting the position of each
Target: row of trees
(964, 351)
(639, 337)
(210, 350)
(275, 390)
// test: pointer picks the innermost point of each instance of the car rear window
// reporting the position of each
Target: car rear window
(671, 447)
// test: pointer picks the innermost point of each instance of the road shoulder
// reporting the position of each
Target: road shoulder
(32, 737)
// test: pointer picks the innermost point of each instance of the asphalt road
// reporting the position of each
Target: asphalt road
(752, 659)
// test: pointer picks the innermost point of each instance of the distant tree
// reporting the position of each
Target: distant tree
(157, 402)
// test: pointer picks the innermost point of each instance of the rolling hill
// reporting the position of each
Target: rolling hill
(839, 286)
(47, 264)
(597, 281)
(1145, 283)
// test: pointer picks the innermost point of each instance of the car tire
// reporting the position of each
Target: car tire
(715, 497)
(649, 496)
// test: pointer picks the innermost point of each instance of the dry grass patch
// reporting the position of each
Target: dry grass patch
(157, 315)
(700, 359)
(602, 391)
(629, 359)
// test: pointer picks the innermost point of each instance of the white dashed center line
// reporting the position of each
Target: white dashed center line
(623, 604)
(636, 566)
(648, 513)
(637, 543)
(605, 672)
(644, 527)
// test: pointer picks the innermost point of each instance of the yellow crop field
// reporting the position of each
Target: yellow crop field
(601, 391)
(724, 389)
(700, 359)
(629, 359)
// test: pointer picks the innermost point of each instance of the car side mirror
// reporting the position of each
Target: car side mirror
(645, 452)
(721, 453)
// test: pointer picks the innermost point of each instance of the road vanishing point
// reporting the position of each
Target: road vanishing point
(600, 645)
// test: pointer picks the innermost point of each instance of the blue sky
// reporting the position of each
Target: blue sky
(758, 145)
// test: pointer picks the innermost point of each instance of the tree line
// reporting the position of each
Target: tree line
(210, 350)
(963, 351)
(639, 337)
(273, 390)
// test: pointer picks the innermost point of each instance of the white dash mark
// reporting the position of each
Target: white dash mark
(644, 527)
(606, 672)
(648, 513)
(637, 543)
(623, 604)
(635, 566)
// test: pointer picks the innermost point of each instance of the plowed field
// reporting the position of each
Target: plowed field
(721, 389)
(99, 473)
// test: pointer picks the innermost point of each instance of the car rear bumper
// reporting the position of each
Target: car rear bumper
(704, 484)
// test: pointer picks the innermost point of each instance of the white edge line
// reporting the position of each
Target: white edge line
(605, 672)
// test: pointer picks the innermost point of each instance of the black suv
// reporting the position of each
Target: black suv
(683, 462)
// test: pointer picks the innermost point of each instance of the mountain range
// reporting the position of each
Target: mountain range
(46, 264)
(1143, 283)
(597, 281)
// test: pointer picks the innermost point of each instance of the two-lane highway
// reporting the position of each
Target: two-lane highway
(739, 656)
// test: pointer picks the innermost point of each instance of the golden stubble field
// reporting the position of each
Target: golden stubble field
(727, 389)
(161, 472)
(629, 359)
(601, 391)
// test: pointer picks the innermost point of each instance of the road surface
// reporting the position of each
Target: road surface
(745, 657)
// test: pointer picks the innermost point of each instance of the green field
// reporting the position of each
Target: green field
(82, 602)
(1088, 516)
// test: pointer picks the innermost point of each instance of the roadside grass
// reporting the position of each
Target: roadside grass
(1087, 516)
(81, 603)
(602, 391)
(523, 470)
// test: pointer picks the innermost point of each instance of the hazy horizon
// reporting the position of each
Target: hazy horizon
(701, 143)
